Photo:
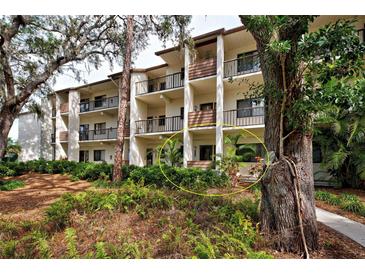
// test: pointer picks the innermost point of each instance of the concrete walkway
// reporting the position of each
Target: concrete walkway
(345, 226)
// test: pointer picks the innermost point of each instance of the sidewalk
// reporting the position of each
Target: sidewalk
(345, 226)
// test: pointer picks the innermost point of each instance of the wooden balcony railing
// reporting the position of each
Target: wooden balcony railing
(63, 136)
(110, 102)
(241, 66)
(244, 117)
(200, 164)
(165, 124)
(64, 107)
(170, 81)
(203, 68)
(202, 118)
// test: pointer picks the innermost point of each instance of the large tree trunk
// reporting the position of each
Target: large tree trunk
(287, 209)
(124, 90)
(7, 118)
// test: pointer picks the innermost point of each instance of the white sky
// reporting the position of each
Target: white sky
(200, 24)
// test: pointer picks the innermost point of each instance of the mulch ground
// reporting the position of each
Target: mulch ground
(29, 202)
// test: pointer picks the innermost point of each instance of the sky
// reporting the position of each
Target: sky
(200, 24)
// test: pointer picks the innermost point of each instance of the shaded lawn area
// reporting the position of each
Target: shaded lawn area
(40, 191)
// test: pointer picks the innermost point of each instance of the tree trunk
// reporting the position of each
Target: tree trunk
(124, 90)
(7, 118)
(283, 190)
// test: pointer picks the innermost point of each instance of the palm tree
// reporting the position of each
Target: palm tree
(12, 150)
(341, 135)
(171, 153)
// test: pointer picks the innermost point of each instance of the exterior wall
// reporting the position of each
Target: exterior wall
(73, 125)
(61, 125)
(188, 106)
(46, 151)
(29, 137)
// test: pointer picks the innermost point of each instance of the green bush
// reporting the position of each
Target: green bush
(327, 197)
(10, 185)
(6, 171)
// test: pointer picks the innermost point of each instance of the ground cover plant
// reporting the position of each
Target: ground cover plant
(345, 201)
(10, 185)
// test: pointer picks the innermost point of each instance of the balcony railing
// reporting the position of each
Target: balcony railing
(101, 134)
(203, 68)
(241, 66)
(244, 117)
(64, 107)
(110, 102)
(63, 136)
(202, 118)
(170, 81)
(200, 164)
(165, 124)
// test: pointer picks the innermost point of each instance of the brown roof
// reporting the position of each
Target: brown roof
(202, 36)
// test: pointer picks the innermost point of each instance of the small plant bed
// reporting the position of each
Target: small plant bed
(11, 185)
(344, 204)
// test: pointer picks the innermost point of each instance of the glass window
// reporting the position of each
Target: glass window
(84, 156)
(99, 155)
(161, 120)
(99, 101)
(317, 153)
(100, 128)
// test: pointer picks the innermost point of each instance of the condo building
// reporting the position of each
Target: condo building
(199, 96)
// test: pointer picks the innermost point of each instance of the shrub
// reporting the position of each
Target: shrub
(327, 197)
(6, 171)
(352, 203)
(10, 185)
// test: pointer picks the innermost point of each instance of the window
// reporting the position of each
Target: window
(84, 132)
(84, 105)
(161, 120)
(150, 87)
(99, 155)
(247, 62)
(317, 153)
(248, 155)
(99, 101)
(207, 106)
(163, 86)
(182, 113)
(206, 152)
(149, 124)
(250, 107)
(149, 157)
(84, 156)
(100, 128)
(182, 71)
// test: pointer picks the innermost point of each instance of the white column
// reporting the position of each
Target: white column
(220, 98)
(46, 129)
(138, 111)
(73, 125)
(60, 126)
(188, 107)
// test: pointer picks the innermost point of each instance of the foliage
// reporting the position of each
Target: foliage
(345, 201)
(10, 185)
(171, 153)
(71, 239)
(341, 135)
(12, 150)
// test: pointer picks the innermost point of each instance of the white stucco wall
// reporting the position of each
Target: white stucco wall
(29, 137)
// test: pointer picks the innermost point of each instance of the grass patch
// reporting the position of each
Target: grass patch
(10, 185)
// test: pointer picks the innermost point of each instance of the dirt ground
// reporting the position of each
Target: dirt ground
(29, 202)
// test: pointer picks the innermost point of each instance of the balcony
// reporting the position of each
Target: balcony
(105, 103)
(64, 108)
(171, 81)
(202, 118)
(244, 117)
(63, 136)
(241, 66)
(101, 134)
(203, 68)
(166, 124)
(200, 164)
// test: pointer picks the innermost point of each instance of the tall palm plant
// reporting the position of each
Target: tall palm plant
(341, 135)
(12, 150)
(171, 153)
